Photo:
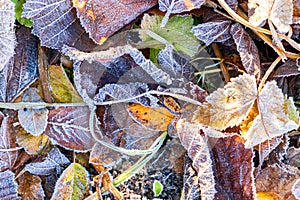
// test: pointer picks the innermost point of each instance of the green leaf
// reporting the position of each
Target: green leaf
(177, 32)
(157, 188)
(18, 13)
(72, 184)
(62, 89)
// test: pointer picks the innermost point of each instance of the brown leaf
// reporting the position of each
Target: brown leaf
(102, 19)
(22, 70)
(233, 168)
(213, 31)
(293, 156)
(69, 127)
(190, 181)
(247, 50)
(30, 187)
(277, 178)
(289, 68)
(58, 28)
(8, 186)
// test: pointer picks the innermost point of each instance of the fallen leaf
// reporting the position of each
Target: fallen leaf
(190, 181)
(31, 144)
(34, 121)
(50, 165)
(293, 156)
(72, 184)
(277, 178)
(69, 127)
(233, 168)
(177, 6)
(176, 32)
(7, 34)
(247, 50)
(19, 11)
(62, 89)
(22, 70)
(30, 187)
(268, 196)
(58, 28)
(289, 68)
(213, 31)
(296, 189)
(8, 186)
(102, 19)
(280, 12)
(154, 118)
(198, 150)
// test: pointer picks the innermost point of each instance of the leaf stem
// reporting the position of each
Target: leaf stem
(268, 72)
(222, 64)
(37, 105)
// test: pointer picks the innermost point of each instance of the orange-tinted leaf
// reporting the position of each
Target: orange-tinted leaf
(103, 18)
(233, 169)
(69, 127)
(268, 196)
(157, 118)
(8, 186)
(247, 50)
(72, 184)
(30, 187)
(277, 178)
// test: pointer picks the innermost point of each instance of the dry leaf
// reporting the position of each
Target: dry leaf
(102, 19)
(233, 168)
(50, 165)
(7, 33)
(8, 186)
(198, 150)
(69, 127)
(277, 178)
(73, 183)
(34, 121)
(228, 106)
(296, 189)
(213, 31)
(268, 196)
(280, 12)
(247, 50)
(153, 118)
(62, 89)
(190, 181)
(30, 187)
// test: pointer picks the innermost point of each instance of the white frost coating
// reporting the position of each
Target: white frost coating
(7, 32)
(157, 74)
(296, 189)
(198, 151)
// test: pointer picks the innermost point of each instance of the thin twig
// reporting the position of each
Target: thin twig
(268, 72)
(222, 64)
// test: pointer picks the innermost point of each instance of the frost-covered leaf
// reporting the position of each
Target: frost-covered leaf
(103, 19)
(277, 178)
(8, 186)
(233, 169)
(32, 120)
(280, 12)
(54, 21)
(62, 89)
(296, 189)
(7, 32)
(7, 140)
(272, 120)
(176, 32)
(31, 144)
(50, 165)
(30, 187)
(126, 91)
(247, 50)
(289, 68)
(22, 70)
(69, 127)
(18, 13)
(293, 156)
(177, 6)
(190, 181)
(198, 150)
(213, 31)
(228, 106)
(72, 184)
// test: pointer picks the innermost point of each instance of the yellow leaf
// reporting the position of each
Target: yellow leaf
(268, 196)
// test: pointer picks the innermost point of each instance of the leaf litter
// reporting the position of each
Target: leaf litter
(129, 85)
